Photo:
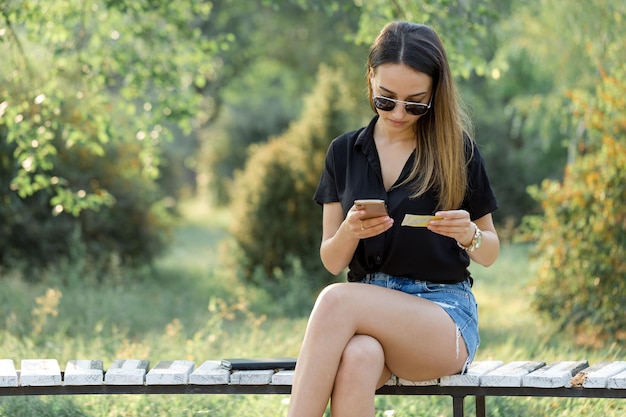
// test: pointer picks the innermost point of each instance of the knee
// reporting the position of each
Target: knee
(330, 301)
(363, 357)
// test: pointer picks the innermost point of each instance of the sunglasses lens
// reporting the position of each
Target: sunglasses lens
(416, 109)
(384, 104)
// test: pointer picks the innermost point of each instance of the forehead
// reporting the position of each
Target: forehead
(401, 79)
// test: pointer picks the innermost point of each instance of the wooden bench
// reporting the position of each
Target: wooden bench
(484, 379)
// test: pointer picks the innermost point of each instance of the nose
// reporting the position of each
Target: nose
(399, 110)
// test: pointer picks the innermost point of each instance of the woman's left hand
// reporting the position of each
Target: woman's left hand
(455, 224)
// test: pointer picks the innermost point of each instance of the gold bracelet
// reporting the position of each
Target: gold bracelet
(476, 240)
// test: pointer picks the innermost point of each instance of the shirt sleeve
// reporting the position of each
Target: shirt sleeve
(326, 191)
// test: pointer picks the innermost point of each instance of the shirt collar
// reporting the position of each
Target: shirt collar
(365, 140)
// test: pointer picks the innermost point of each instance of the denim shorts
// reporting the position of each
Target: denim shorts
(456, 299)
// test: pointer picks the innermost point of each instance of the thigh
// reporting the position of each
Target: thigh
(419, 338)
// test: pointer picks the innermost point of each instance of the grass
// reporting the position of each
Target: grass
(185, 308)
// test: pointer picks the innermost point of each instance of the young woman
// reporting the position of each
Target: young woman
(408, 308)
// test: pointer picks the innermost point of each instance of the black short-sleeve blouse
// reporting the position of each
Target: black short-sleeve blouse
(352, 171)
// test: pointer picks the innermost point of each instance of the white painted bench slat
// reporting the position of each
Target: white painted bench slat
(617, 381)
(84, 372)
(40, 372)
(474, 373)
(283, 377)
(127, 372)
(510, 375)
(597, 375)
(535, 374)
(555, 375)
(170, 373)
(8, 374)
(210, 373)
(483, 379)
(262, 377)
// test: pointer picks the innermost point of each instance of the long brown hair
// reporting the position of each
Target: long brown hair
(443, 135)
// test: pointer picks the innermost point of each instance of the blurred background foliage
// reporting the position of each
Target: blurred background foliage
(113, 111)
(581, 239)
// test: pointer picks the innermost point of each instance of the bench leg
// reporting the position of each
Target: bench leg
(457, 406)
(481, 409)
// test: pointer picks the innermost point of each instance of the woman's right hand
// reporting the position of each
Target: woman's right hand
(364, 228)
(341, 235)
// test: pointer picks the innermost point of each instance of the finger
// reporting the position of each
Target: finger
(453, 214)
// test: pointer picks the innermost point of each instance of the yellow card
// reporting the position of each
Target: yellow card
(418, 220)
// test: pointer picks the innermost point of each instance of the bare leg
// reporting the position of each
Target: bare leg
(418, 338)
(361, 370)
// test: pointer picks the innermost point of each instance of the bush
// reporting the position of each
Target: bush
(134, 229)
(276, 225)
(582, 235)
(83, 117)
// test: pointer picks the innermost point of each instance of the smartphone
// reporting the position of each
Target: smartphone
(372, 207)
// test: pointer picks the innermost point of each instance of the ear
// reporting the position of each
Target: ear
(370, 79)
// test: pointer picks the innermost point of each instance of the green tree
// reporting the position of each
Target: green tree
(89, 92)
(115, 71)
(277, 226)
(545, 49)
(462, 26)
(582, 234)
(283, 43)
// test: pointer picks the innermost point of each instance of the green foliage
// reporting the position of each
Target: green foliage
(132, 227)
(261, 90)
(569, 40)
(276, 220)
(85, 82)
(249, 119)
(116, 71)
(89, 92)
(452, 20)
(522, 113)
(512, 138)
(582, 234)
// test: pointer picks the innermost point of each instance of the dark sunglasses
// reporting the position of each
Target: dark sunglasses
(411, 107)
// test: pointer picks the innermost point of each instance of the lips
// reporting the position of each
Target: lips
(398, 123)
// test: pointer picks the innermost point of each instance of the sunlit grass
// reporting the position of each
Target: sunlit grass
(507, 321)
